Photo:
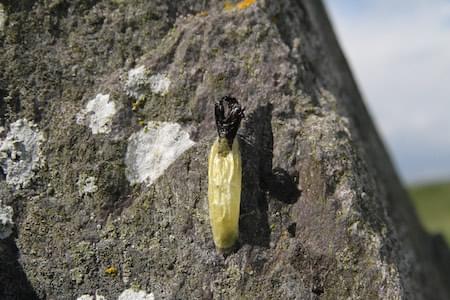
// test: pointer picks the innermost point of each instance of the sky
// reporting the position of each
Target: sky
(399, 52)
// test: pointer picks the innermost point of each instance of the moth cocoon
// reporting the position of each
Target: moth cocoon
(225, 175)
(224, 192)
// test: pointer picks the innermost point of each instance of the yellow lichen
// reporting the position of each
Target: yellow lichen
(245, 3)
(240, 5)
(139, 103)
(228, 6)
(111, 271)
(142, 122)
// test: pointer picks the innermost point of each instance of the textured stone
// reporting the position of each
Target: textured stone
(323, 214)
(20, 153)
(6, 221)
(2, 18)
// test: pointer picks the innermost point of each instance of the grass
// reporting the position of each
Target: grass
(432, 202)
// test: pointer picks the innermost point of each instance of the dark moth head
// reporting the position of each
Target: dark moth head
(229, 114)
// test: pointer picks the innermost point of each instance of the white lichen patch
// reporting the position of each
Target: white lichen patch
(6, 221)
(85, 297)
(90, 297)
(2, 18)
(20, 154)
(159, 84)
(152, 149)
(86, 185)
(140, 82)
(99, 297)
(131, 294)
(137, 80)
(98, 114)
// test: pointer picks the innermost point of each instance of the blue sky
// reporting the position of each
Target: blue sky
(399, 51)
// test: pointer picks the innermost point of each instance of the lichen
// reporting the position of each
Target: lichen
(228, 6)
(131, 294)
(77, 275)
(86, 185)
(240, 5)
(139, 83)
(153, 149)
(89, 297)
(85, 297)
(111, 271)
(202, 13)
(6, 221)
(98, 114)
(99, 297)
(2, 18)
(137, 80)
(159, 84)
(20, 152)
(245, 4)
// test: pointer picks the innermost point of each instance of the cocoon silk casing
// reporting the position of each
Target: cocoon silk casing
(225, 175)
(224, 193)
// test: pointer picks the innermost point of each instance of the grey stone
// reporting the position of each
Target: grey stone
(6, 222)
(323, 213)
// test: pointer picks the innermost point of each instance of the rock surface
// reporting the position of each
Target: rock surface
(323, 214)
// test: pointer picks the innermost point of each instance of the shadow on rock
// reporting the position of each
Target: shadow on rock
(256, 143)
(14, 283)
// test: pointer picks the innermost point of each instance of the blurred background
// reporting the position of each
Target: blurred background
(399, 52)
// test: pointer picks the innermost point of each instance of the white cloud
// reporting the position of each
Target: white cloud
(400, 54)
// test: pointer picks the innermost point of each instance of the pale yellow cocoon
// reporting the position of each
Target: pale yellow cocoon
(224, 192)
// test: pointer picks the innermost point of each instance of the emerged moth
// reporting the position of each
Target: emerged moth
(225, 174)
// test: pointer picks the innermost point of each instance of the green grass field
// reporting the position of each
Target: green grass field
(432, 202)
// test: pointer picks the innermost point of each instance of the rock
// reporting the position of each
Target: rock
(20, 153)
(111, 85)
(3, 18)
(6, 222)
(98, 114)
(153, 149)
(130, 294)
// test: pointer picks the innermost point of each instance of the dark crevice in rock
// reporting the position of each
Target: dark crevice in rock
(16, 104)
(37, 111)
(172, 11)
(283, 187)
(292, 228)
